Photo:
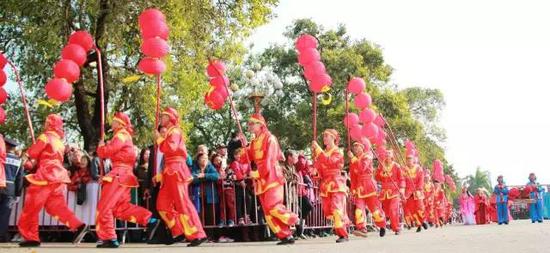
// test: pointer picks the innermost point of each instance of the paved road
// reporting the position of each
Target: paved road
(518, 237)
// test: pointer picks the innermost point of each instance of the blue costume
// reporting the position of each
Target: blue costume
(501, 192)
(535, 191)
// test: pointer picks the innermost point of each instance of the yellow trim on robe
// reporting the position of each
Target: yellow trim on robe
(33, 181)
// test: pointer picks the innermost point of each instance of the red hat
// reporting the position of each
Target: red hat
(257, 118)
(124, 120)
(438, 174)
(334, 134)
(172, 114)
(54, 123)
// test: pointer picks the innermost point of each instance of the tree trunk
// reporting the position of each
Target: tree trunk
(90, 123)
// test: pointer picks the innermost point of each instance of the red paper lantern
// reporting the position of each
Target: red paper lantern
(83, 39)
(59, 89)
(155, 47)
(219, 81)
(320, 83)
(151, 66)
(67, 69)
(380, 140)
(317, 87)
(370, 131)
(215, 68)
(3, 96)
(155, 28)
(214, 100)
(220, 90)
(351, 119)
(74, 52)
(3, 78)
(380, 121)
(306, 41)
(3, 61)
(2, 115)
(367, 116)
(356, 85)
(150, 15)
(313, 69)
(363, 100)
(356, 132)
(308, 56)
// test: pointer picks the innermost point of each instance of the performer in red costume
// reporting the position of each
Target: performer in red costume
(414, 193)
(439, 204)
(363, 189)
(429, 194)
(333, 190)
(48, 185)
(265, 152)
(389, 176)
(114, 201)
(173, 202)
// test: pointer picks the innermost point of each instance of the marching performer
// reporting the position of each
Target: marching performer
(114, 201)
(363, 189)
(333, 190)
(173, 202)
(414, 193)
(48, 185)
(388, 174)
(265, 152)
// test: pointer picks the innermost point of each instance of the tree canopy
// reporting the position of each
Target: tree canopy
(32, 34)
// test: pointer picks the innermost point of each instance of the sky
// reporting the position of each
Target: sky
(489, 58)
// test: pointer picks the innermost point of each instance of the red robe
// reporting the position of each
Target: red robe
(429, 202)
(265, 152)
(363, 189)
(333, 189)
(440, 206)
(481, 211)
(173, 202)
(47, 187)
(391, 180)
(414, 195)
(114, 201)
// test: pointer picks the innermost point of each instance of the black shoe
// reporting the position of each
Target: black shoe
(506, 223)
(382, 232)
(302, 236)
(418, 229)
(177, 239)
(80, 233)
(540, 221)
(397, 233)
(425, 225)
(27, 244)
(109, 244)
(286, 241)
(342, 239)
(197, 242)
(152, 228)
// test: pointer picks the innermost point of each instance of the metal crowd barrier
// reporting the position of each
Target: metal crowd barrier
(87, 211)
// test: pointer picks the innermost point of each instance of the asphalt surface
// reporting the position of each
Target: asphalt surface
(519, 236)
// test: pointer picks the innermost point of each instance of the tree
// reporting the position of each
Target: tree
(32, 34)
(480, 179)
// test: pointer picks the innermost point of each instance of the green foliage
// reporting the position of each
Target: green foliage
(33, 32)
(480, 179)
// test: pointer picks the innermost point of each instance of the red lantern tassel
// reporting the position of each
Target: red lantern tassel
(24, 99)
